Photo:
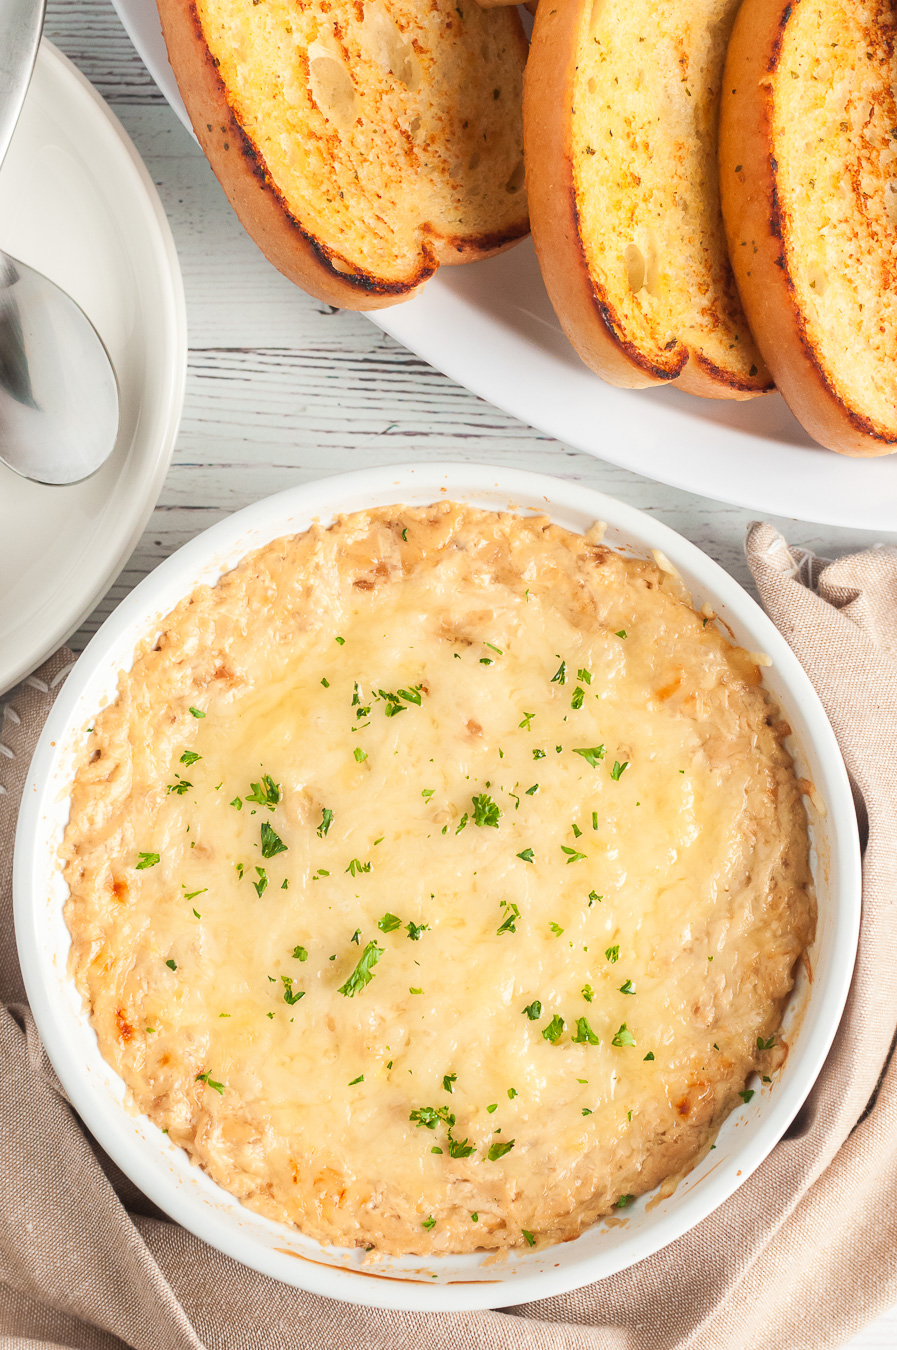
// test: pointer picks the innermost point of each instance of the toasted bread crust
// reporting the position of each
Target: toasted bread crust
(756, 229)
(241, 169)
(584, 308)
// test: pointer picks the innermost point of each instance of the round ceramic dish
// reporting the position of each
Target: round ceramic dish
(165, 1173)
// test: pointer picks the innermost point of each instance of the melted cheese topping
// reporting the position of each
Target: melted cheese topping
(433, 877)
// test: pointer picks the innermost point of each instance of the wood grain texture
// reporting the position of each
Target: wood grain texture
(283, 389)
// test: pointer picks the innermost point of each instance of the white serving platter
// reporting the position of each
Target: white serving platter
(490, 326)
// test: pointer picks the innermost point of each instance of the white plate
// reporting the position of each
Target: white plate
(165, 1172)
(77, 203)
(491, 328)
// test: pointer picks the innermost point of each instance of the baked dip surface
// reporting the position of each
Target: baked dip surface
(437, 879)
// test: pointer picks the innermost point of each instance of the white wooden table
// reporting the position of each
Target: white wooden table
(281, 389)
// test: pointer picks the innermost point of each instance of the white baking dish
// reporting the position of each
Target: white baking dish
(165, 1173)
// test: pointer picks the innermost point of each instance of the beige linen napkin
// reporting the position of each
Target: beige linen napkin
(802, 1257)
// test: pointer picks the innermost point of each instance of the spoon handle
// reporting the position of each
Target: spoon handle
(21, 23)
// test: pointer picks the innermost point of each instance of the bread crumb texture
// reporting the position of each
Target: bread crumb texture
(645, 112)
(835, 145)
(437, 880)
(385, 126)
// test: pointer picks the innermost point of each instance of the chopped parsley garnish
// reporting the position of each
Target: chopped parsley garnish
(531, 791)
(584, 1033)
(340, 640)
(588, 993)
(555, 1029)
(239, 870)
(746, 1095)
(461, 823)
(560, 675)
(527, 855)
(626, 987)
(414, 930)
(321, 872)
(765, 1045)
(262, 883)
(411, 695)
(594, 820)
(363, 972)
(624, 1036)
(427, 793)
(190, 757)
(538, 754)
(206, 1078)
(530, 1240)
(578, 696)
(288, 995)
(577, 832)
(180, 787)
(356, 866)
(356, 936)
(447, 1080)
(584, 675)
(147, 860)
(300, 954)
(624, 1200)
(272, 844)
(556, 929)
(499, 1149)
(617, 771)
(360, 754)
(493, 648)
(359, 1079)
(527, 721)
(512, 1093)
(325, 681)
(572, 854)
(592, 754)
(429, 1223)
(509, 922)
(238, 803)
(492, 1108)
(459, 1148)
(485, 811)
(430, 1116)
(621, 632)
(533, 1010)
(613, 953)
(194, 712)
(593, 896)
(363, 710)
(587, 1111)
(172, 965)
(326, 822)
(266, 793)
(650, 1055)
(405, 534)
(191, 895)
(389, 923)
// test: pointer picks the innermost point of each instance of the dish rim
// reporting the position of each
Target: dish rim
(327, 498)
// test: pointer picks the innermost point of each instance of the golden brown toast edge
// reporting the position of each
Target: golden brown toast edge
(592, 324)
(756, 226)
(241, 170)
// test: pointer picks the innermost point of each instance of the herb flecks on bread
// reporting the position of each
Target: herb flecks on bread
(808, 158)
(361, 144)
(620, 123)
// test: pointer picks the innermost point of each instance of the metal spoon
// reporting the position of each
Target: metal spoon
(59, 408)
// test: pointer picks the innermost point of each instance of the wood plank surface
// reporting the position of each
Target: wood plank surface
(282, 389)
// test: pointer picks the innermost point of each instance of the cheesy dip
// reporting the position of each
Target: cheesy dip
(437, 880)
